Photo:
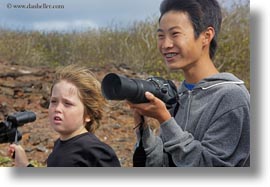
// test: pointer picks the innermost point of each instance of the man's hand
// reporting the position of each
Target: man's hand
(155, 108)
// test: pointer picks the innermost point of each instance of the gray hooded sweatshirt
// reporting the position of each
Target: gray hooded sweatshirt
(211, 127)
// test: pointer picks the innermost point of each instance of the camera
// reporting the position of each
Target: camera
(118, 87)
(8, 128)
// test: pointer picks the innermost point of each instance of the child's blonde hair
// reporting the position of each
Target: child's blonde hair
(89, 92)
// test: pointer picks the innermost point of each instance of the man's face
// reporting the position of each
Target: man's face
(176, 41)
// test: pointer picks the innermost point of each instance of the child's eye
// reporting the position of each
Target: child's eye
(68, 103)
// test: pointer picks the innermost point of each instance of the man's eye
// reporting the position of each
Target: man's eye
(175, 33)
(53, 101)
(160, 36)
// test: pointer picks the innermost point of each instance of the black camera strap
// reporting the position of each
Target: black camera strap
(139, 156)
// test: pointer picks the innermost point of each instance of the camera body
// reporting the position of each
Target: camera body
(8, 128)
(118, 87)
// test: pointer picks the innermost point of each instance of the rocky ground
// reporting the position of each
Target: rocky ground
(27, 88)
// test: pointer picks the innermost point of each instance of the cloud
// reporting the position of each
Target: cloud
(53, 25)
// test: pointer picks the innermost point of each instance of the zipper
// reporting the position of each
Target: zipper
(188, 110)
(190, 92)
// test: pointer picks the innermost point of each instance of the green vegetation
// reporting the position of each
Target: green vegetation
(8, 162)
(5, 161)
(233, 53)
(134, 46)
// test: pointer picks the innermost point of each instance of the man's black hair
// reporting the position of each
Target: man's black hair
(202, 14)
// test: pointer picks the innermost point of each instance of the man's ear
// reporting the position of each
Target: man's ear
(208, 35)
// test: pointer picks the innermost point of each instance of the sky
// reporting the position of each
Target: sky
(64, 15)
(73, 14)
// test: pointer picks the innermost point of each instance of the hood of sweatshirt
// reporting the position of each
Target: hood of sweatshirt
(215, 80)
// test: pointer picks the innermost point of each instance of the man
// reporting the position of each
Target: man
(210, 124)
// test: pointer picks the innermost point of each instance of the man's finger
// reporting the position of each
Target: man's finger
(150, 96)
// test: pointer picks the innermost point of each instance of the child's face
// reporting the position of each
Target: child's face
(176, 41)
(66, 111)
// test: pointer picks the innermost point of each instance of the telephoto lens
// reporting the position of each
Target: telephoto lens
(21, 118)
(118, 87)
